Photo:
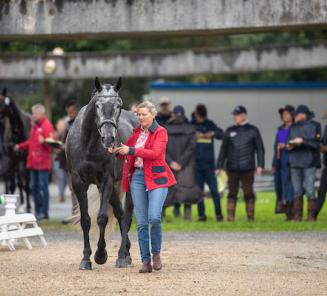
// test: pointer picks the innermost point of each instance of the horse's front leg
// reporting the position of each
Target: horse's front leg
(80, 189)
(105, 189)
(125, 220)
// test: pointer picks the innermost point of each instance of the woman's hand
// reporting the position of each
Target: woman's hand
(122, 150)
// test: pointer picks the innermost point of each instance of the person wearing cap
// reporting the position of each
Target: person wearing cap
(180, 158)
(206, 132)
(302, 144)
(282, 175)
(164, 113)
(323, 179)
(241, 143)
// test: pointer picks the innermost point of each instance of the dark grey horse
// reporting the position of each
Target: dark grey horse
(16, 128)
(101, 124)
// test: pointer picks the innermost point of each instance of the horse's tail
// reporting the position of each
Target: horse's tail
(93, 197)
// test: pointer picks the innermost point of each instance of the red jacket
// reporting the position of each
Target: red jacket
(39, 155)
(157, 173)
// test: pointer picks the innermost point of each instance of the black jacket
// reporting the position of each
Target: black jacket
(180, 148)
(240, 144)
(316, 156)
(204, 149)
(304, 155)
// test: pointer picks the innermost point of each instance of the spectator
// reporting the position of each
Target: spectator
(317, 158)
(164, 113)
(61, 175)
(302, 144)
(39, 159)
(282, 175)
(133, 107)
(323, 180)
(72, 109)
(206, 132)
(180, 158)
(241, 142)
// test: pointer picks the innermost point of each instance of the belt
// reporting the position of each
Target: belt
(138, 168)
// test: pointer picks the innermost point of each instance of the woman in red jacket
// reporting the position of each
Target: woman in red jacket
(147, 175)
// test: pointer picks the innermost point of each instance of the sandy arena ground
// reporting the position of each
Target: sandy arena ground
(194, 264)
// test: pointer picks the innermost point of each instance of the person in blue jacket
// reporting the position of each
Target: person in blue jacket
(282, 175)
(206, 132)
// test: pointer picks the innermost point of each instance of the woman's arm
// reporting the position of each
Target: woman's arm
(158, 149)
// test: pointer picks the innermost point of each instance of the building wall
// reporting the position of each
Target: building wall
(262, 105)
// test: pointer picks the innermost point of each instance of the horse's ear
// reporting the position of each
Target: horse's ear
(97, 84)
(118, 85)
(4, 92)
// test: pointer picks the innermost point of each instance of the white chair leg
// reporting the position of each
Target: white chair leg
(43, 241)
(27, 243)
(10, 245)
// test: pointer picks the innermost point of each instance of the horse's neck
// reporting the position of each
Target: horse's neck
(16, 122)
(89, 131)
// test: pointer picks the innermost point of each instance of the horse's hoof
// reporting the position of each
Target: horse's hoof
(85, 265)
(129, 260)
(101, 259)
(121, 263)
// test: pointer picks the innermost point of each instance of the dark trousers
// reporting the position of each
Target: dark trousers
(207, 175)
(246, 178)
(322, 190)
(40, 190)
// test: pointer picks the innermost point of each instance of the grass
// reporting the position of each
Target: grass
(265, 219)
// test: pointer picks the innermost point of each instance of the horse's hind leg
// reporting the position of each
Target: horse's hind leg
(80, 190)
(105, 189)
(125, 220)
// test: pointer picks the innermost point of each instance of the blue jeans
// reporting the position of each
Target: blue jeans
(303, 180)
(40, 190)
(208, 175)
(148, 207)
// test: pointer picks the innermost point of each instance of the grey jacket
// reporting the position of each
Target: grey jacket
(303, 156)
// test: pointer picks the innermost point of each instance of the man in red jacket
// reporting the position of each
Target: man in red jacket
(39, 159)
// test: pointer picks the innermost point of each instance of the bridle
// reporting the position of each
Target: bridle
(109, 121)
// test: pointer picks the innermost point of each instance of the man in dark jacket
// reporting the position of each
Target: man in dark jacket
(241, 142)
(164, 114)
(180, 157)
(206, 132)
(302, 144)
(323, 180)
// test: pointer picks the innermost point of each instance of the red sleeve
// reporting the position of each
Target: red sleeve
(158, 149)
(48, 131)
(23, 145)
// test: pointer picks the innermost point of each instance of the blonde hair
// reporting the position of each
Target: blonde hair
(150, 106)
(38, 107)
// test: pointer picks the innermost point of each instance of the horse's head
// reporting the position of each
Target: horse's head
(108, 106)
(4, 103)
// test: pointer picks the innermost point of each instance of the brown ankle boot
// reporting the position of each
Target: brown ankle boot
(289, 211)
(231, 207)
(146, 267)
(156, 262)
(312, 207)
(297, 209)
(250, 205)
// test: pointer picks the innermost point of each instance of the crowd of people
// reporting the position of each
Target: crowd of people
(298, 146)
(190, 155)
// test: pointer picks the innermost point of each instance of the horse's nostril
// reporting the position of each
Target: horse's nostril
(102, 139)
(112, 139)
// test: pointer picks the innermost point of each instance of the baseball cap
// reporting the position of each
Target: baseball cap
(303, 109)
(288, 108)
(239, 110)
(164, 100)
(179, 110)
